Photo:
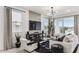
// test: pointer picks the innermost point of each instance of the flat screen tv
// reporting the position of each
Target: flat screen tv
(34, 25)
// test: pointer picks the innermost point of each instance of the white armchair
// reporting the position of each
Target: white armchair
(26, 47)
(69, 43)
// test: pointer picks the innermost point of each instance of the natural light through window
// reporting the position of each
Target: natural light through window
(64, 25)
(16, 21)
(45, 25)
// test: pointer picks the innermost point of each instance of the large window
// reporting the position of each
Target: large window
(16, 21)
(69, 25)
(44, 24)
(64, 25)
(58, 26)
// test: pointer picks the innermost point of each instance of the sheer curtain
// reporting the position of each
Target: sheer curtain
(17, 24)
(8, 28)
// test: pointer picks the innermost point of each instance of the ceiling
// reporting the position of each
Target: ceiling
(58, 10)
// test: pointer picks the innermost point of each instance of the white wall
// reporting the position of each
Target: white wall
(1, 28)
(34, 16)
(25, 22)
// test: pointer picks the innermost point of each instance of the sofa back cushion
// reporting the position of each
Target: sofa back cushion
(71, 38)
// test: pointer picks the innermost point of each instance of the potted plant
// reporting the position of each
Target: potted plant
(50, 28)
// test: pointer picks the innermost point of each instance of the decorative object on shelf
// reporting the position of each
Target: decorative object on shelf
(18, 43)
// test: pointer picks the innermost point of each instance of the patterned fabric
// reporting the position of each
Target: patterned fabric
(70, 38)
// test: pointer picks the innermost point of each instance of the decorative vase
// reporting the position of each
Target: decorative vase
(18, 43)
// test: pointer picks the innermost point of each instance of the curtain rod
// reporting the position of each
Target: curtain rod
(15, 9)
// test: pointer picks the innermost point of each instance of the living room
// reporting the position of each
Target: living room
(39, 29)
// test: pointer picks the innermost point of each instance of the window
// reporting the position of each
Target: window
(69, 25)
(64, 25)
(16, 21)
(58, 26)
(44, 25)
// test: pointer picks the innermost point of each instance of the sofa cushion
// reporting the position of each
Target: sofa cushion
(71, 38)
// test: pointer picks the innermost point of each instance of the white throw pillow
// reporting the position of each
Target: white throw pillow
(68, 38)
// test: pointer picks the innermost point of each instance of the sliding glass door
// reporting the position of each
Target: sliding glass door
(58, 26)
(64, 25)
(68, 25)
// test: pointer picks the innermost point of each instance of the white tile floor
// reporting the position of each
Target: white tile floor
(20, 50)
(16, 50)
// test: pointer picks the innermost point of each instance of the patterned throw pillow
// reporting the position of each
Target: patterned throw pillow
(68, 38)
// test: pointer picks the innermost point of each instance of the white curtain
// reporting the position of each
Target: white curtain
(8, 28)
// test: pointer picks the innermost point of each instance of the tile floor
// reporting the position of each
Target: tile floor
(20, 50)
(16, 50)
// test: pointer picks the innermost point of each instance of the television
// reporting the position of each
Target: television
(34, 25)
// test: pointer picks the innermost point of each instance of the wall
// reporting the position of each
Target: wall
(25, 22)
(34, 16)
(1, 28)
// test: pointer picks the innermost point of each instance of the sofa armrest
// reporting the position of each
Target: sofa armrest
(68, 47)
